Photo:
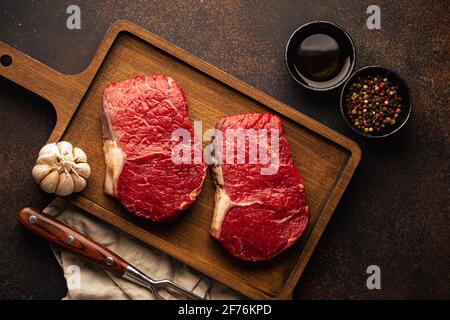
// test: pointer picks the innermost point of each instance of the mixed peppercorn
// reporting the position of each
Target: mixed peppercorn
(373, 104)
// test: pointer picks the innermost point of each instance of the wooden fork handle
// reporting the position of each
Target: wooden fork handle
(71, 240)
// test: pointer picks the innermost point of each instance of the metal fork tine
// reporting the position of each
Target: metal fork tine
(156, 293)
(167, 284)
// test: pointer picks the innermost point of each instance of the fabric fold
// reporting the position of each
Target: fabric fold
(85, 281)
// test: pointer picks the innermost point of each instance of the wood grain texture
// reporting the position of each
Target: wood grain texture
(325, 158)
(58, 234)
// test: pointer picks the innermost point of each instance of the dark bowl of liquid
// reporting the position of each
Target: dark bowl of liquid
(320, 56)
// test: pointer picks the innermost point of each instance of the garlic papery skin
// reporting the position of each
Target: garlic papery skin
(79, 155)
(65, 184)
(40, 171)
(83, 169)
(50, 182)
(61, 169)
(66, 150)
(50, 148)
(79, 183)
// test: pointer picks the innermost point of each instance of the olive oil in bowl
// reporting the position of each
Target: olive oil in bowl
(320, 56)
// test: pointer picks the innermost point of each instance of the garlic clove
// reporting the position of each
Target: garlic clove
(83, 169)
(50, 182)
(50, 159)
(79, 183)
(40, 171)
(65, 184)
(79, 155)
(50, 148)
(66, 150)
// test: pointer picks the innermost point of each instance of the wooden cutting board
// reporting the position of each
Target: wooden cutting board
(326, 159)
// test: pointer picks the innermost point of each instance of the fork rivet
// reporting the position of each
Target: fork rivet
(32, 219)
(70, 239)
(109, 261)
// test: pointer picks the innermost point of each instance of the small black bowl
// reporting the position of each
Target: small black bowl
(344, 41)
(403, 91)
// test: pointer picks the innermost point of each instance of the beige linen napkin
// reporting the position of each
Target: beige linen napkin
(85, 281)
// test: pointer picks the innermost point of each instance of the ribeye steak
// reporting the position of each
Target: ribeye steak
(139, 116)
(257, 215)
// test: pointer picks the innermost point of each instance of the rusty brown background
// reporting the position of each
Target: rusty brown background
(395, 213)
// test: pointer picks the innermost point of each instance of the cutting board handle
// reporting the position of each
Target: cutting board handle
(63, 91)
(31, 74)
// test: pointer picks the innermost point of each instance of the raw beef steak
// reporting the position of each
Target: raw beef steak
(257, 215)
(139, 116)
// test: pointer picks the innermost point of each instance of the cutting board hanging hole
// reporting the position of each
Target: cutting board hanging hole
(6, 60)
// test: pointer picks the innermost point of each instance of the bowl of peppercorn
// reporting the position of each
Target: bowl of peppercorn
(375, 102)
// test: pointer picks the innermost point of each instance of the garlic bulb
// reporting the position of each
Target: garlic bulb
(61, 169)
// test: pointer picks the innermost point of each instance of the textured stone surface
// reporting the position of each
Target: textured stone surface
(396, 211)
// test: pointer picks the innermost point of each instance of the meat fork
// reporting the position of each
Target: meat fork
(72, 240)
